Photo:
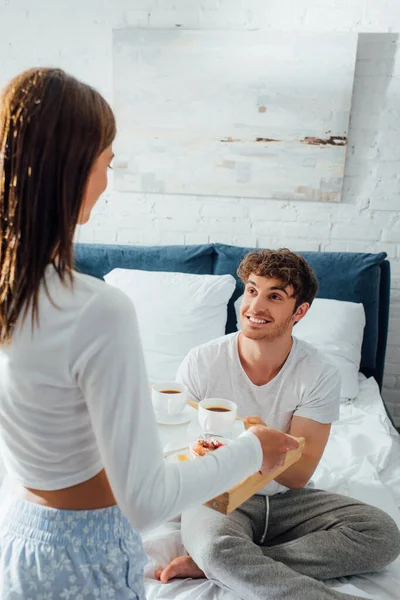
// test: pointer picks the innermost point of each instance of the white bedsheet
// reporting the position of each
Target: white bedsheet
(362, 460)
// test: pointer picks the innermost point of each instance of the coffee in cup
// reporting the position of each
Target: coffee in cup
(217, 415)
(169, 398)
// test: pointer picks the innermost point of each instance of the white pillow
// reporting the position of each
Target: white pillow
(336, 328)
(176, 312)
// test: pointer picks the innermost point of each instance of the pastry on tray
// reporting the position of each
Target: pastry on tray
(205, 445)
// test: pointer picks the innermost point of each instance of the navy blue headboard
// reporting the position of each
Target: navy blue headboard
(355, 277)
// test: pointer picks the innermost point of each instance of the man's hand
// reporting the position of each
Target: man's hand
(275, 446)
(255, 421)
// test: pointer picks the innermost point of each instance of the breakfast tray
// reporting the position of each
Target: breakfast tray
(230, 500)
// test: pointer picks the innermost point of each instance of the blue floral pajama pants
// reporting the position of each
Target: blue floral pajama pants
(49, 554)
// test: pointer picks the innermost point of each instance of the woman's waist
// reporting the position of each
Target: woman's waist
(49, 524)
(65, 474)
(89, 494)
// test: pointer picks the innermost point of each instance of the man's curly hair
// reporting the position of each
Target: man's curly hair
(285, 266)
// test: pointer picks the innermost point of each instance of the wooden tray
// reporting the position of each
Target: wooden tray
(227, 502)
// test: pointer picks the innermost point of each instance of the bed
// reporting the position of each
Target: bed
(362, 458)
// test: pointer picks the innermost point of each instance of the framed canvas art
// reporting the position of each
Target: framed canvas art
(233, 113)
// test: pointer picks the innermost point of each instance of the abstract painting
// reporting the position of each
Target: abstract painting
(233, 113)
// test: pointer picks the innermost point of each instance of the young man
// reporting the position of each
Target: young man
(284, 541)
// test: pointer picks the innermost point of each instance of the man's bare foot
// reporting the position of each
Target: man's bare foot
(182, 568)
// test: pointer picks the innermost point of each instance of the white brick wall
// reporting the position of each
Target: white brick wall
(77, 36)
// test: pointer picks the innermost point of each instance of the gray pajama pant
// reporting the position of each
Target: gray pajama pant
(283, 549)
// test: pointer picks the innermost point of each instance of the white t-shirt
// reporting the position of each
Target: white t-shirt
(74, 398)
(306, 386)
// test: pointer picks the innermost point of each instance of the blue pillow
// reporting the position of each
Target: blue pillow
(99, 259)
(354, 277)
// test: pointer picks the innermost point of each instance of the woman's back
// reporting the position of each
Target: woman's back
(48, 441)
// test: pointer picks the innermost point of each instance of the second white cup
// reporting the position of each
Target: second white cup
(169, 398)
(217, 415)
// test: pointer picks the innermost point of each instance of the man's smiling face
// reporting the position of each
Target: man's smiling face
(267, 311)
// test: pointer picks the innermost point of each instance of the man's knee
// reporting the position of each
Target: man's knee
(384, 544)
(198, 537)
(213, 548)
(218, 556)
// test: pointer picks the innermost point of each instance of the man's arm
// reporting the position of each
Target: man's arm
(312, 420)
(316, 436)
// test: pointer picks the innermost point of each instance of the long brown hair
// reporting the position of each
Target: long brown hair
(52, 129)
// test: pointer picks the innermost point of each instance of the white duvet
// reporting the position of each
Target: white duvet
(362, 460)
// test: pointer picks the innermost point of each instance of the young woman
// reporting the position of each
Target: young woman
(85, 470)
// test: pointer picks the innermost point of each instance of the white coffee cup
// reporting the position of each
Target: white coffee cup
(169, 398)
(213, 421)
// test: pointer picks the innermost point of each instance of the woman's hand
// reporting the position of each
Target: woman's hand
(275, 446)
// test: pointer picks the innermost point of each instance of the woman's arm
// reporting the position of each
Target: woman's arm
(108, 365)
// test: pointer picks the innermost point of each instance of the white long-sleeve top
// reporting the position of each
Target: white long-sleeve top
(74, 398)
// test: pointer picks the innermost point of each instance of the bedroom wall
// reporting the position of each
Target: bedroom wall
(77, 36)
